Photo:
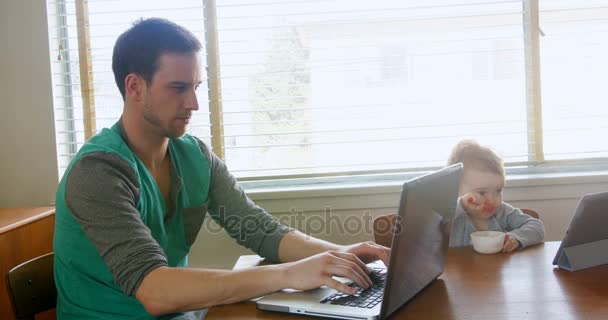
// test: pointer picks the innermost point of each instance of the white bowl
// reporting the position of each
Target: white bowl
(488, 241)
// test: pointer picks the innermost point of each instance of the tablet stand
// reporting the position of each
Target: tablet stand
(584, 255)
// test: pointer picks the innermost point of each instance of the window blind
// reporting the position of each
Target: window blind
(338, 87)
(311, 87)
(574, 73)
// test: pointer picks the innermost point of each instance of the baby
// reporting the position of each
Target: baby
(480, 206)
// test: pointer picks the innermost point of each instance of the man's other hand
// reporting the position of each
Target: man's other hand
(369, 252)
(318, 270)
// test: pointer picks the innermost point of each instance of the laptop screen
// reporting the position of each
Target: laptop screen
(421, 235)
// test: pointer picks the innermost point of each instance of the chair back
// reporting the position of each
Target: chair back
(531, 213)
(32, 286)
(383, 229)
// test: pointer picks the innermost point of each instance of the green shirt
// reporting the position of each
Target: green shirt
(113, 227)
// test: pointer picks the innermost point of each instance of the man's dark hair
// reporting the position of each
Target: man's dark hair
(139, 48)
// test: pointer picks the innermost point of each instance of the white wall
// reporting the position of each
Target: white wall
(554, 196)
(28, 160)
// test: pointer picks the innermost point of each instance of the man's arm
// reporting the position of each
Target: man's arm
(297, 245)
(102, 193)
(229, 206)
(167, 290)
(254, 228)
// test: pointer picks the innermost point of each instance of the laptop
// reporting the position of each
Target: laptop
(419, 247)
(586, 241)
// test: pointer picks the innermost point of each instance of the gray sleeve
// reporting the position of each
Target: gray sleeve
(102, 193)
(250, 225)
(527, 230)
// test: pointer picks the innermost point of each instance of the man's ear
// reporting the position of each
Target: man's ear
(135, 87)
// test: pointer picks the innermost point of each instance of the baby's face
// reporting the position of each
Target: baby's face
(487, 186)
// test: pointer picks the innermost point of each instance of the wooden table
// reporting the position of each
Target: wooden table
(25, 233)
(520, 285)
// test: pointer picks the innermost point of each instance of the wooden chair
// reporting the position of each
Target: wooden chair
(383, 229)
(32, 286)
(531, 213)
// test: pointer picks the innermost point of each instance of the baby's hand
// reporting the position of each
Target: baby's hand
(510, 244)
(472, 202)
(477, 205)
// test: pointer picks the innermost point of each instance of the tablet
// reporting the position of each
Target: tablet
(586, 241)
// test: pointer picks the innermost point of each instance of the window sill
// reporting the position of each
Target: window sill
(391, 183)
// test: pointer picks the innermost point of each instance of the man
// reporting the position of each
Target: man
(134, 198)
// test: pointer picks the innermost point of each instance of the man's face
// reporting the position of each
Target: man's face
(485, 185)
(171, 98)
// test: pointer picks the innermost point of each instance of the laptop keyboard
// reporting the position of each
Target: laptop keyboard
(364, 298)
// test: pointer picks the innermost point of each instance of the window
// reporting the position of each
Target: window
(574, 72)
(347, 86)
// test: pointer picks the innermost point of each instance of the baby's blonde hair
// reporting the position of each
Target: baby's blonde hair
(475, 156)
